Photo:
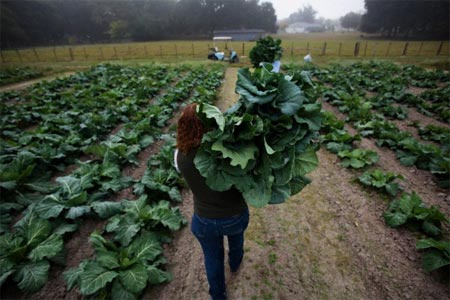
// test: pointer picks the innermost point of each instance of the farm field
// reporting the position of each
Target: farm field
(87, 172)
(295, 47)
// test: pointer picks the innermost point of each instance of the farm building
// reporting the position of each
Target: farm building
(241, 34)
(302, 27)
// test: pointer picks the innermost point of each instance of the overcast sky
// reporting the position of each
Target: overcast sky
(329, 9)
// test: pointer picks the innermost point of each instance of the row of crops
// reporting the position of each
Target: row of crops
(63, 147)
(17, 74)
(345, 87)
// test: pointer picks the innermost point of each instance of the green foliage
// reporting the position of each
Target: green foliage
(265, 149)
(139, 215)
(12, 75)
(358, 158)
(119, 271)
(409, 209)
(437, 253)
(267, 50)
(381, 180)
(26, 254)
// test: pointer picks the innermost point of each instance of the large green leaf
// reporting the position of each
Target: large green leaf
(434, 259)
(212, 112)
(119, 292)
(306, 162)
(146, 247)
(48, 248)
(95, 278)
(31, 277)
(106, 209)
(157, 276)
(289, 98)
(135, 278)
(240, 155)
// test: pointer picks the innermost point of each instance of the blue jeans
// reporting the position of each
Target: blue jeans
(210, 233)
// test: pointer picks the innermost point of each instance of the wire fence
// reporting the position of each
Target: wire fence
(200, 49)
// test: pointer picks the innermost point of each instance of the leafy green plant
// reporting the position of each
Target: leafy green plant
(263, 145)
(358, 158)
(139, 215)
(267, 50)
(437, 253)
(26, 254)
(381, 180)
(409, 209)
(119, 272)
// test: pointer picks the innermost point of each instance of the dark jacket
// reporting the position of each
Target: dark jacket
(207, 202)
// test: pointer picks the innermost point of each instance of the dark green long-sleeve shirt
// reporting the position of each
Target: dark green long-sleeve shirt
(207, 202)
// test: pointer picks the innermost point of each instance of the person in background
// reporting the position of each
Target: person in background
(216, 214)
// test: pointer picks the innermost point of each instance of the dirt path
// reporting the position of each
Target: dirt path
(25, 84)
(327, 242)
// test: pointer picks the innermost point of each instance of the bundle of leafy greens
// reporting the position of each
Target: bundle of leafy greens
(266, 50)
(262, 146)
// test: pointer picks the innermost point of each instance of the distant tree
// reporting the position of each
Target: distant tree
(306, 14)
(119, 29)
(418, 19)
(351, 20)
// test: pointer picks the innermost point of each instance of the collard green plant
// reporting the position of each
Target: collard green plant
(358, 158)
(409, 209)
(119, 272)
(139, 215)
(26, 254)
(263, 146)
(267, 50)
(436, 255)
(381, 180)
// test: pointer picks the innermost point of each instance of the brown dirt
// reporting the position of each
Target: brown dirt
(420, 181)
(327, 242)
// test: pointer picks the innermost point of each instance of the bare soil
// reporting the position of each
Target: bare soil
(327, 242)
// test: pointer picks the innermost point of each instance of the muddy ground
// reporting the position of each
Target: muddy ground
(327, 242)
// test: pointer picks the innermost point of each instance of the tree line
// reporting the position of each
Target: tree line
(49, 22)
(418, 19)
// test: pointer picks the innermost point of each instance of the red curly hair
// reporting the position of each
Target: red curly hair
(190, 129)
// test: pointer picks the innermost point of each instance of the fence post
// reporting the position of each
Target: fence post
(324, 49)
(405, 49)
(365, 49)
(84, 51)
(243, 49)
(389, 48)
(307, 47)
(70, 53)
(101, 54)
(176, 51)
(440, 48)
(292, 49)
(145, 50)
(420, 49)
(115, 53)
(1, 54)
(356, 51)
(160, 51)
(193, 51)
(54, 54)
(340, 48)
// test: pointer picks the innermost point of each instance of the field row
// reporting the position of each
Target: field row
(346, 89)
(66, 146)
